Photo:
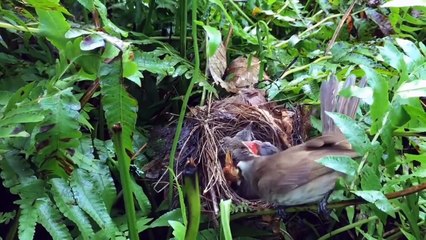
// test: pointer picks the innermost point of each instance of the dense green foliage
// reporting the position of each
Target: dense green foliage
(79, 80)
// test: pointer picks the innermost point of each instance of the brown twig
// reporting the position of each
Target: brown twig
(339, 27)
(138, 152)
(89, 93)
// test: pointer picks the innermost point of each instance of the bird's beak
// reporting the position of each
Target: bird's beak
(252, 146)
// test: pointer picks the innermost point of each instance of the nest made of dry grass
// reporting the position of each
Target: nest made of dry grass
(206, 126)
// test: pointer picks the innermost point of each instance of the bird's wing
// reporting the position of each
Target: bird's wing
(292, 169)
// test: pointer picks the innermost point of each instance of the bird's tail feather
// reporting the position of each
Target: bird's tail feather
(331, 102)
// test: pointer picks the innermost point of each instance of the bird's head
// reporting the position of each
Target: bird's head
(258, 148)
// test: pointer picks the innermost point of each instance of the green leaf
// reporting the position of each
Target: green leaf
(130, 68)
(109, 26)
(27, 219)
(404, 3)
(64, 199)
(411, 89)
(141, 198)
(48, 5)
(380, 97)
(378, 199)
(103, 181)
(225, 221)
(392, 56)
(88, 4)
(163, 220)
(370, 179)
(214, 39)
(342, 164)
(365, 93)
(86, 194)
(50, 219)
(92, 42)
(178, 229)
(119, 106)
(75, 32)
(410, 49)
(11, 131)
(352, 131)
(60, 129)
(54, 26)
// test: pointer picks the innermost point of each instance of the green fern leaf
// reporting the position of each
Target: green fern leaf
(27, 219)
(87, 194)
(15, 169)
(60, 129)
(51, 219)
(119, 106)
(64, 199)
(105, 184)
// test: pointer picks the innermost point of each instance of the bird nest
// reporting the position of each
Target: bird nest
(206, 126)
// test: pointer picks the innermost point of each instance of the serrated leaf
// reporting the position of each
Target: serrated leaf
(87, 197)
(103, 181)
(163, 220)
(27, 220)
(50, 219)
(60, 129)
(378, 199)
(370, 179)
(343, 164)
(119, 106)
(352, 131)
(416, 88)
(141, 198)
(64, 199)
(214, 39)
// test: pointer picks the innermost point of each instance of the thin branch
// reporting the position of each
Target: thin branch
(314, 207)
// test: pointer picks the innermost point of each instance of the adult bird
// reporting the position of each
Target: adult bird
(294, 176)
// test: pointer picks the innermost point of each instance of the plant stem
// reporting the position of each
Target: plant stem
(192, 193)
(347, 227)
(241, 12)
(123, 167)
(291, 71)
(195, 76)
(19, 28)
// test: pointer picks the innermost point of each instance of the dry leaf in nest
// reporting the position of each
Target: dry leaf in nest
(242, 73)
(250, 97)
(217, 65)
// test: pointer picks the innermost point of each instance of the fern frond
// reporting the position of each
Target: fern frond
(119, 106)
(86, 193)
(51, 219)
(60, 129)
(27, 219)
(64, 199)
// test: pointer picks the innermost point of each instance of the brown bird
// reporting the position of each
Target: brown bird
(293, 176)
(250, 149)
